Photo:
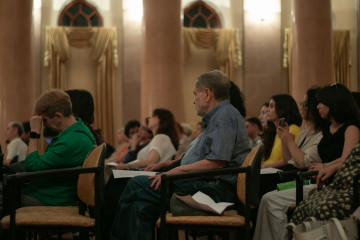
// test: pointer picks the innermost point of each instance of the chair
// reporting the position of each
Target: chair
(248, 182)
(83, 218)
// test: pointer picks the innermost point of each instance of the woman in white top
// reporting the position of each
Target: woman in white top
(164, 144)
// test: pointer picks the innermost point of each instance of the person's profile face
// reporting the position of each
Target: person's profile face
(271, 114)
(263, 116)
(133, 130)
(199, 101)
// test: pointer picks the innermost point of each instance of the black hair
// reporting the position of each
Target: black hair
(26, 126)
(82, 104)
(129, 125)
(341, 103)
(311, 111)
(237, 99)
(255, 121)
(285, 107)
(167, 125)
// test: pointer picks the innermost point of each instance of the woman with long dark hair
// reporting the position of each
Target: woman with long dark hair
(282, 111)
(340, 139)
(164, 144)
(272, 220)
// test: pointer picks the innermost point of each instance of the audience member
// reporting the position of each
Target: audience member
(83, 107)
(68, 149)
(187, 129)
(26, 134)
(138, 141)
(283, 107)
(263, 115)
(164, 144)
(237, 99)
(184, 141)
(16, 146)
(223, 143)
(253, 129)
(272, 219)
(119, 155)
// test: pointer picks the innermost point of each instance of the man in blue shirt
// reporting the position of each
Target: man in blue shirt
(222, 143)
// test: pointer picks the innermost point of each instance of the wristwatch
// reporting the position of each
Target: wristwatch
(34, 135)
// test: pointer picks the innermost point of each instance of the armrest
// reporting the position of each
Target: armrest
(27, 176)
(300, 184)
(204, 173)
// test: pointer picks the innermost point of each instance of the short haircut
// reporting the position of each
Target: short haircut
(53, 101)
(255, 121)
(82, 104)
(129, 125)
(19, 127)
(26, 126)
(217, 82)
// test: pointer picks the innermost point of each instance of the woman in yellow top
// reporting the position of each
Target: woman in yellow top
(282, 108)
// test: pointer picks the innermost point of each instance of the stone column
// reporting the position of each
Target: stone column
(162, 69)
(17, 84)
(312, 48)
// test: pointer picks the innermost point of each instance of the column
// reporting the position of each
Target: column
(162, 69)
(17, 84)
(312, 49)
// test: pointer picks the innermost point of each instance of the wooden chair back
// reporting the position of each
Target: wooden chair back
(253, 159)
(85, 186)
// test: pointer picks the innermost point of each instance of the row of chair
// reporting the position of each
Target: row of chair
(85, 218)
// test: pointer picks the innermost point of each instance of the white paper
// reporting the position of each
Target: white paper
(205, 199)
(269, 170)
(112, 164)
(130, 174)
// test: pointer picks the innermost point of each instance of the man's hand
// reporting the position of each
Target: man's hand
(36, 123)
(157, 178)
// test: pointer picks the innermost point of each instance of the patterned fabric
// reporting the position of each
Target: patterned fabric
(334, 200)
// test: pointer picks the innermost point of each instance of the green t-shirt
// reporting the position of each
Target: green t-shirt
(67, 150)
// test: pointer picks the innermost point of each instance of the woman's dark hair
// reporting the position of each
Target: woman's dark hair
(237, 99)
(311, 112)
(83, 107)
(167, 125)
(341, 103)
(285, 107)
(82, 104)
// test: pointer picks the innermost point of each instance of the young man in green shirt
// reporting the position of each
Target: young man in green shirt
(68, 149)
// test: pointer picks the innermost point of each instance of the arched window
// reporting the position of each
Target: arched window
(80, 13)
(201, 15)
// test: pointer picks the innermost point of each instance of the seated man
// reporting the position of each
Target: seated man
(68, 149)
(16, 146)
(254, 129)
(222, 143)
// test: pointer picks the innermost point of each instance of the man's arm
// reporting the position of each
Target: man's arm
(197, 166)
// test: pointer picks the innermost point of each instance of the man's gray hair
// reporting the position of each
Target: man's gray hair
(217, 82)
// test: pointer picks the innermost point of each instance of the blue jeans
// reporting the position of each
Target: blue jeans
(139, 205)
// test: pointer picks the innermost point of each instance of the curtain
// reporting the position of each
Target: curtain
(103, 42)
(341, 52)
(341, 55)
(225, 42)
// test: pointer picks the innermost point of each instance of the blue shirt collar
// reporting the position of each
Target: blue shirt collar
(206, 118)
